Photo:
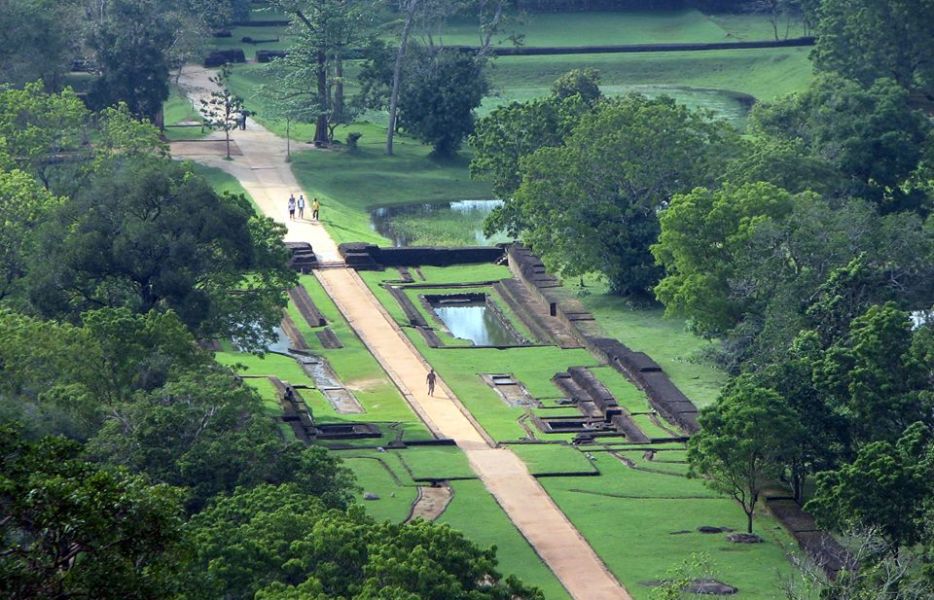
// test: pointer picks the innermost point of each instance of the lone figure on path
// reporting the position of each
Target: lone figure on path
(291, 207)
(431, 382)
(315, 206)
(301, 206)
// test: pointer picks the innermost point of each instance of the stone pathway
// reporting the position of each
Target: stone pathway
(263, 172)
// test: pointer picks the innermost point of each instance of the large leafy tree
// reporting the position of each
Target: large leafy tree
(743, 442)
(275, 542)
(42, 130)
(441, 91)
(518, 129)
(703, 233)
(879, 376)
(871, 39)
(72, 529)
(887, 488)
(592, 204)
(754, 273)
(131, 43)
(325, 31)
(24, 204)
(147, 234)
(871, 135)
(38, 40)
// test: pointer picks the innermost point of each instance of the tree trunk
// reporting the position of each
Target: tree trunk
(288, 140)
(321, 124)
(337, 111)
(410, 8)
(227, 138)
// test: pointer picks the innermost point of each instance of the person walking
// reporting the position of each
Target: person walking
(315, 207)
(291, 207)
(301, 206)
(431, 382)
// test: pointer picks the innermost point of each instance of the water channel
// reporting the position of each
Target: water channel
(477, 322)
(457, 223)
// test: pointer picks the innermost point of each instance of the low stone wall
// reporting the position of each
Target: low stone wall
(363, 256)
(638, 367)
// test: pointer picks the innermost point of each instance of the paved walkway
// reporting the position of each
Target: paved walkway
(263, 172)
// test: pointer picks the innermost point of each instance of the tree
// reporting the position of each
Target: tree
(149, 235)
(582, 82)
(43, 130)
(436, 105)
(131, 42)
(872, 136)
(24, 204)
(223, 110)
(515, 130)
(877, 377)
(742, 440)
(592, 204)
(324, 31)
(785, 163)
(409, 9)
(867, 40)
(76, 530)
(885, 488)
(702, 235)
(38, 36)
(274, 542)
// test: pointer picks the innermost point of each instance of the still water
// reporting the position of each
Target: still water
(477, 323)
(455, 223)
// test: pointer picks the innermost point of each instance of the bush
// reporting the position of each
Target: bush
(352, 139)
(219, 58)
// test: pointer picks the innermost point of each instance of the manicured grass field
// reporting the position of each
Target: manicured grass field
(631, 518)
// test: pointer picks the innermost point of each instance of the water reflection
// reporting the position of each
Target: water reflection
(476, 322)
(454, 223)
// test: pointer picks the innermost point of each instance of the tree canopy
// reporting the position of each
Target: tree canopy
(146, 234)
(592, 203)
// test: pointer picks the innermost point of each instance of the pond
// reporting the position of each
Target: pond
(475, 321)
(458, 223)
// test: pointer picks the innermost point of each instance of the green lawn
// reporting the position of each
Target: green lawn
(472, 510)
(554, 459)
(475, 512)
(630, 518)
(667, 340)
(180, 117)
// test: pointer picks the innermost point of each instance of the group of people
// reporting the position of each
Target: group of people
(300, 205)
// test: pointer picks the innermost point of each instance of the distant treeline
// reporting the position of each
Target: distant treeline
(570, 5)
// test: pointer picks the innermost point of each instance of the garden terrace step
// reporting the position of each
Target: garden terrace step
(632, 432)
(597, 391)
(582, 399)
(302, 257)
(306, 306)
(539, 319)
(291, 331)
(820, 546)
(328, 339)
(411, 312)
(518, 299)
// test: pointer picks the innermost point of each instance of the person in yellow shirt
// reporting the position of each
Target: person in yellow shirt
(315, 206)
